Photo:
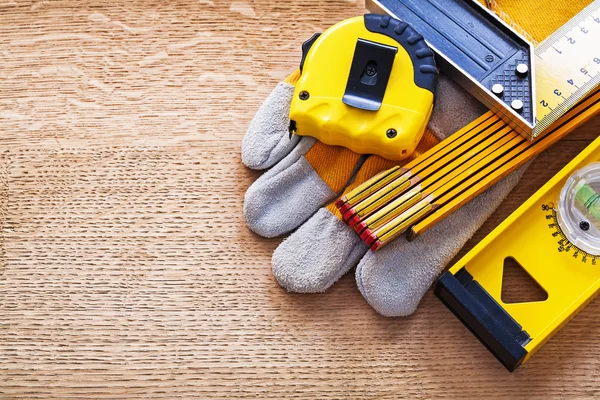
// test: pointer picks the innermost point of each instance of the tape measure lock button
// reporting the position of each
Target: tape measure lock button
(578, 210)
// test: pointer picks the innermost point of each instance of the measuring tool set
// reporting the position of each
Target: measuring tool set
(423, 192)
(368, 83)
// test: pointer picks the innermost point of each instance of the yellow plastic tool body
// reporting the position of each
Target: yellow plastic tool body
(394, 130)
(533, 237)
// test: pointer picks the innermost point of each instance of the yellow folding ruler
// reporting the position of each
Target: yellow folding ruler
(555, 237)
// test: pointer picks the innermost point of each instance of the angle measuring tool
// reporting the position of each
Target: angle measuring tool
(555, 237)
(565, 81)
(478, 50)
(464, 35)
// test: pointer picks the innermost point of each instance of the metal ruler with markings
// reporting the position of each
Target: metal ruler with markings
(567, 66)
(564, 70)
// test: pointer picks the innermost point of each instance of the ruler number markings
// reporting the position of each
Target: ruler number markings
(580, 68)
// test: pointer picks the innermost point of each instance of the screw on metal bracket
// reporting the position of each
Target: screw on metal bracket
(304, 95)
(517, 105)
(371, 70)
(391, 133)
(522, 70)
(498, 89)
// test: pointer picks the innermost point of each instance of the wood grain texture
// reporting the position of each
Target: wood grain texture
(126, 269)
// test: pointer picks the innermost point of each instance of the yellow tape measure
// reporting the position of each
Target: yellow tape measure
(367, 84)
(567, 66)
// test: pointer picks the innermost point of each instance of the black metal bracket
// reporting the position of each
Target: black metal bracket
(369, 75)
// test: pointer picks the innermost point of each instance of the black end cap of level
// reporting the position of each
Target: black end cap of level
(484, 317)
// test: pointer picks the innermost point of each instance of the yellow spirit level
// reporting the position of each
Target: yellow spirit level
(555, 237)
(368, 84)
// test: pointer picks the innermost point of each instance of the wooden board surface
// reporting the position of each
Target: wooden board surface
(126, 268)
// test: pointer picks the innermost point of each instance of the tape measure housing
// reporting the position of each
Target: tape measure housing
(368, 84)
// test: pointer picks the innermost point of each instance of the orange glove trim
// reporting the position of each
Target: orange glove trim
(375, 164)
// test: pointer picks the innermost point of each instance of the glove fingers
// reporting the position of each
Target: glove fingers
(325, 248)
(267, 140)
(288, 194)
(314, 257)
(319, 253)
(394, 279)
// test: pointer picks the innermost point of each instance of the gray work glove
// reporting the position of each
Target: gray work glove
(305, 176)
